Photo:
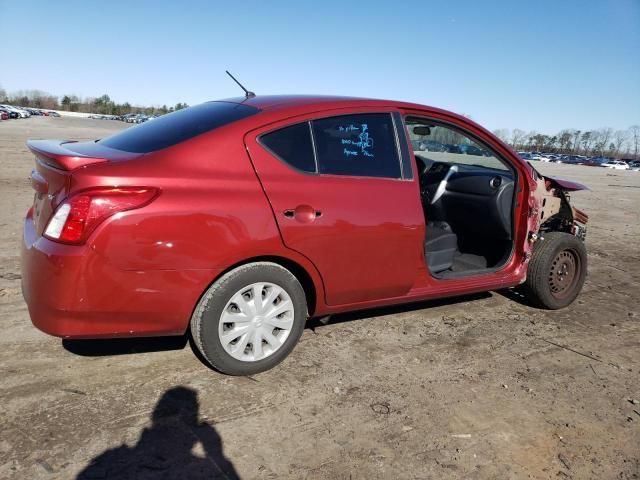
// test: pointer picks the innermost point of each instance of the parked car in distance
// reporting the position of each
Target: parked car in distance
(238, 220)
(574, 160)
(615, 165)
(539, 157)
(51, 114)
(10, 113)
(128, 118)
(595, 161)
(135, 118)
(4, 115)
(634, 165)
(17, 113)
(473, 150)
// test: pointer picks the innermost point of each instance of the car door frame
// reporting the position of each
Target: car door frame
(513, 272)
(251, 138)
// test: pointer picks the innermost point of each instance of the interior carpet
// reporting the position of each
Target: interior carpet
(467, 261)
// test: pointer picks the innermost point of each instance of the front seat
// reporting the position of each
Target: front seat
(440, 246)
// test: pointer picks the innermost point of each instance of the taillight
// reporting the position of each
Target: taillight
(80, 214)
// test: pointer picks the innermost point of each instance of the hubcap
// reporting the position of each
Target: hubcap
(563, 274)
(256, 321)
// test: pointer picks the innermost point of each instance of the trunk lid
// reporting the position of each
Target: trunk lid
(54, 165)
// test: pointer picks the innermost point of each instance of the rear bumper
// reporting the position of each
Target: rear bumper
(74, 292)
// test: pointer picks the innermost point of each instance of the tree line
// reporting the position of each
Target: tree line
(72, 103)
(603, 142)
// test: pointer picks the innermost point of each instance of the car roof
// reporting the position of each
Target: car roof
(282, 102)
(281, 106)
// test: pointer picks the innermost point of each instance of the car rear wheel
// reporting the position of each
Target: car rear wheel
(250, 319)
(557, 270)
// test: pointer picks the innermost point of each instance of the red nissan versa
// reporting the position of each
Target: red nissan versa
(240, 219)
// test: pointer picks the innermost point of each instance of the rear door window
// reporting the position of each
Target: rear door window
(176, 127)
(358, 145)
(293, 146)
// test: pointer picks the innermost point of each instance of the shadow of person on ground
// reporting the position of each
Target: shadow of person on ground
(177, 445)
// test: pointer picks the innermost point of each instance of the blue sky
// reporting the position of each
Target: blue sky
(538, 65)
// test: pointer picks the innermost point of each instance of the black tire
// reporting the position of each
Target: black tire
(546, 285)
(205, 319)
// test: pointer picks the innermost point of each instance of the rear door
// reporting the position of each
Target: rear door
(344, 194)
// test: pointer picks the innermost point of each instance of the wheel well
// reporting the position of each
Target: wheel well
(296, 269)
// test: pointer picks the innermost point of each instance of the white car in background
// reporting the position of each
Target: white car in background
(21, 113)
(615, 165)
(539, 157)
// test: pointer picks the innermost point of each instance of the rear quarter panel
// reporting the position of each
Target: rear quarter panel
(210, 213)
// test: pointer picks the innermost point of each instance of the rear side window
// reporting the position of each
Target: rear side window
(293, 146)
(176, 127)
(359, 145)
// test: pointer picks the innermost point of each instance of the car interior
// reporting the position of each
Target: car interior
(467, 195)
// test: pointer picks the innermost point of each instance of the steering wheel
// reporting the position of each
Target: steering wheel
(433, 180)
(442, 186)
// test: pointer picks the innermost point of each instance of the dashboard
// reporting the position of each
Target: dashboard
(472, 199)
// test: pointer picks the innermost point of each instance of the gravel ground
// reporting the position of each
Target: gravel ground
(474, 387)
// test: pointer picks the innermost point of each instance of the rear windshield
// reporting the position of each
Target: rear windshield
(176, 127)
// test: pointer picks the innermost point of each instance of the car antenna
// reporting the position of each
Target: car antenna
(247, 93)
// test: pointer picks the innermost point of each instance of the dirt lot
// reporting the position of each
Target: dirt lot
(468, 388)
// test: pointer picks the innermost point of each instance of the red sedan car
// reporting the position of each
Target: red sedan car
(240, 219)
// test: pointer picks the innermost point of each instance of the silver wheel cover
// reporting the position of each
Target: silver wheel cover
(256, 321)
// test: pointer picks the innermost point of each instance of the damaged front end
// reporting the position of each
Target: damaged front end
(550, 208)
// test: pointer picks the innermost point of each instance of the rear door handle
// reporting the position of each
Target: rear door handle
(302, 213)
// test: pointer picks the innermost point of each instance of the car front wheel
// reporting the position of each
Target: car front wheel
(250, 319)
(557, 270)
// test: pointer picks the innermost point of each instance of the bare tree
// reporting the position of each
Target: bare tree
(564, 141)
(576, 140)
(619, 139)
(538, 140)
(551, 143)
(517, 137)
(586, 140)
(503, 134)
(634, 130)
(601, 140)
